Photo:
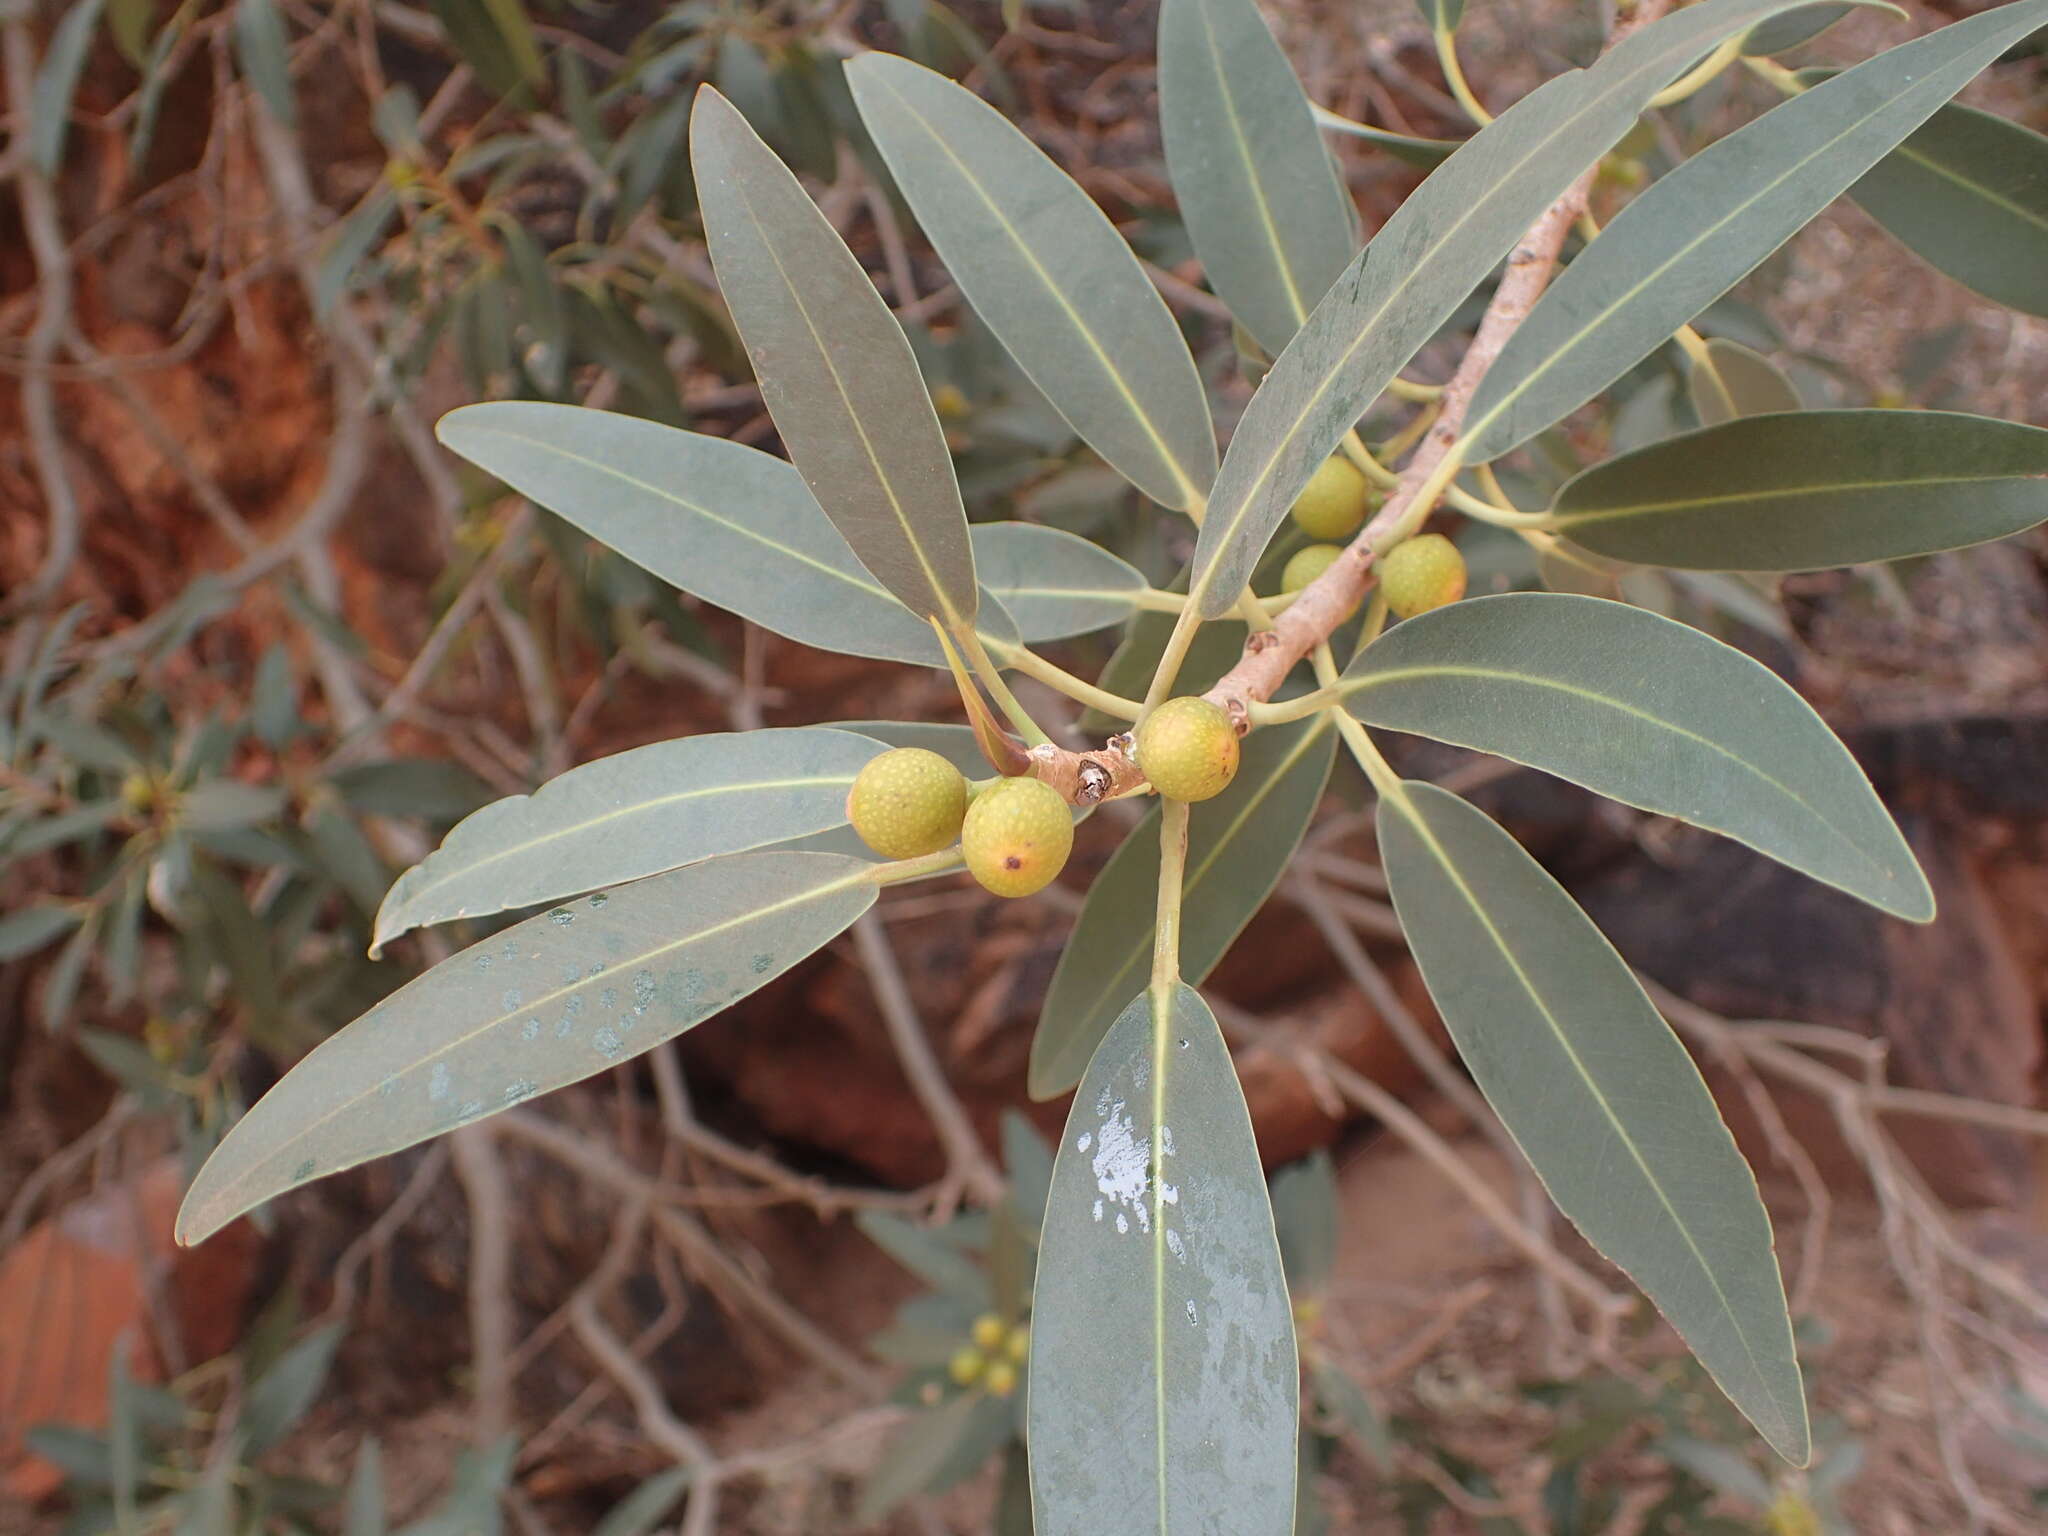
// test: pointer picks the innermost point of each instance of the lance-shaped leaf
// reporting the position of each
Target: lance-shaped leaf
(1783, 33)
(1694, 234)
(1239, 844)
(723, 522)
(1419, 268)
(1647, 711)
(1968, 194)
(1255, 184)
(627, 816)
(1810, 490)
(1164, 1388)
(1052, 583)
(555, 999)
(1048, 272)
(836, 370)
(1425, 154)
(1732, 381)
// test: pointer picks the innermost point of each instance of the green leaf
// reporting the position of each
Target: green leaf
(1239, 844)
(1305, 1218)
(1781, 34)
(28, 929)
(1416, 272)
(1811, 490)
(1048, 273)
(926, 1255)
(281, 1396)
(262, 50)
(363, 1512)
(221, 804)
(1344, 1400)
(49, 107)
(558, 998)
(1695, 233)
(475, 1489)
(1442, 15)
(836, 370)
(723, 522)
(1256, 186)
(357, 236)
(1647, 711)
(1968, 193)
(1028, 1161)
(633, 814)
(1424, 154)
(1164, 1386)
(1598, 1093)
(209, 1505)
(410, 786)
(131, 21)
(1733, 381)
(495, 39)
(1052, 583)
(641, 1510)
(934, 1451)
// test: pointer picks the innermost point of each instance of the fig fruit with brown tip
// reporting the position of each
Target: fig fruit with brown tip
(1188, 748)
(1017, 836)
(1422, 573)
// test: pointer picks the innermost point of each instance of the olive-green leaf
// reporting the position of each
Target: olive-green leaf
(1239, 844)
(1968, 194)
(1419, 268)
(1053, 583)
(1442, 15)
(835, 368)
(1783, 33)
(1694, 234)
(1811, 490)
(1732, 381)
(633, 814)
(495, 38)
(1049, 274)
(557, 998)
(1647, 711)
(1164, 1387)
(724, 522)
(1425, 154)
(1598, 1093)
(263, 51)
(49, 106)
(1255, 184)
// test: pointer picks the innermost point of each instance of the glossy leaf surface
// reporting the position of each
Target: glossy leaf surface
(555, 999)
(630, 815)
(835, 368)
(1164, 1388)
(1048, 272)
(1810, 490)
(1598, 1093)
(1647, 711)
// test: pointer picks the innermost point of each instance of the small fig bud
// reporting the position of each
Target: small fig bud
(906, 803)
(1423, 573)
(988, 1332)
(1017, 836)
(1335, 501)
(966, 1366)
(1001, 1379)
(1305, 565)
(1187, 747)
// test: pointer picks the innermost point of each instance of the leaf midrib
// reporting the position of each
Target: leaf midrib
(1781, 493)
(2017, 210)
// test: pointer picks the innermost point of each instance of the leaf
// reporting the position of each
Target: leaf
(478, 1484)
(262, 50)
(28, 929)
(130, 21)
(410, 786)
(1734, 381)
(1598, 1094)
(1442, 15)
(1257, 189)
(358, 234)
(49, 106)
(1811, 490)
(1239, 844)
(640, 1511)
(363, 1511)
(1693, 234)
(1424, 154)
(633, 814)
(495, 39)
(281, 1396)
(1054, 584)
(209, 1505)
(1304, 1197)
(1647, 711)
(558, 998)
(1781, 34)
(1416, 272)
(835, 368)
(1346, 1401)
(723, 522)
(220, 804)
(1048, 273)
(934, 1451)
(1164, 1387)
(1028, 1161)
(1968, 193)
(925, 1255)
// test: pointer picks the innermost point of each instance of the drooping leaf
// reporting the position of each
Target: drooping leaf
(1051, 583)
(836, 370)
(1161, 1328)
(280, 1397)
(1424, 154)
(1421, 265)
(28, 929)
(1239, 844)
(1693, 234)
(724, 522)
(1305, 1219)
(262, 50)
(363, 1510)
(1733, 381)
(1598, 1093)
(495, 38)
(632, 814)
(1647, 711)
(557, 998)
(934, 1451)
(49, 107)
(1783, 33)
(1255, 184)
(1048, 273)
(1810, 490)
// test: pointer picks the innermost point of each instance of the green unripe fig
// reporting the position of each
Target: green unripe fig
(906, 803)
(1187, 747)
(1017, 836)
(1335, 501)
(1423, 573)
(1305, 565)
(966, 1366)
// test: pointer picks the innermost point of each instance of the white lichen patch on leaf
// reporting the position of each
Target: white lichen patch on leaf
(1121, 1167)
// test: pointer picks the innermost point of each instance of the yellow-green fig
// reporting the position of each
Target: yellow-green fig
(1422, 573)
(1187, 747)
(1017, 836)
(1335, 501)
(906, 803)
